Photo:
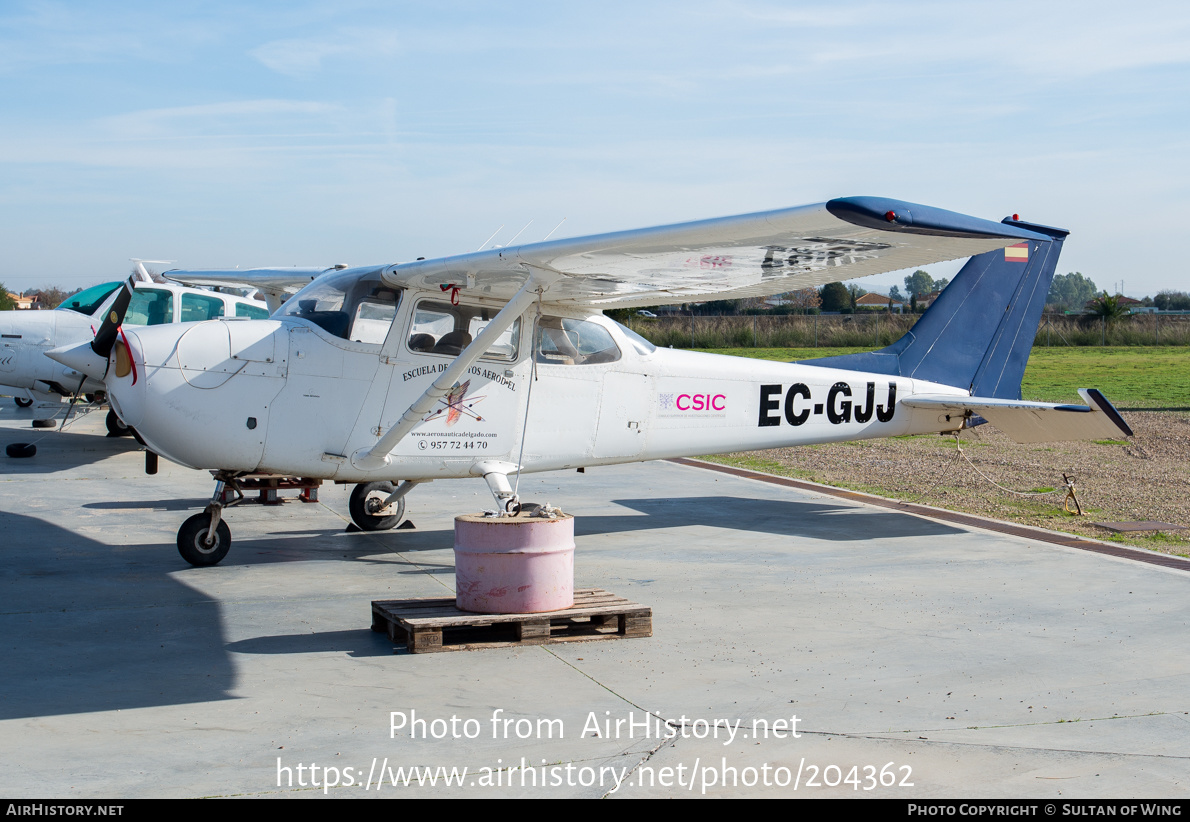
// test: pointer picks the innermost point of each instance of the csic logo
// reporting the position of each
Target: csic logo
(686, 404)
(701, 402)
(838, 407)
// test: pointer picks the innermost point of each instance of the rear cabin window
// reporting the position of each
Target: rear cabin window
(252, 312)
(442, 328)
(563, 341)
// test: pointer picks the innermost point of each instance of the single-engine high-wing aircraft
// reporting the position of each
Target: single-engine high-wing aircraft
(501, 361)
(26, 336)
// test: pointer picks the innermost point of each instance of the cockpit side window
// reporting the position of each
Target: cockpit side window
(566, 341)
(151, 306)
(443, 328)
(200, 307)
(373, 318)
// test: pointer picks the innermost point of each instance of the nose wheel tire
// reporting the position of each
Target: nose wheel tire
(22, 402)
(364, 505)
(192, 543)
(116, 426)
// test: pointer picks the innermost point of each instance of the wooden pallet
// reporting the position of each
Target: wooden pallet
(430, 625)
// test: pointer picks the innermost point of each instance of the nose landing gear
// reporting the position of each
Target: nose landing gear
(204, 539)
(199, 544)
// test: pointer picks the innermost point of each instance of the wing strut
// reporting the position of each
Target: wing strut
(377, 456)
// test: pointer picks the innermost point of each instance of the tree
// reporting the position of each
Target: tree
(856, 292)
(894, 293)
(717, 308)
(835, 297)
(803, 299)
(919, 283)
(939, 285)
(1071, 290)
(1108, 308)
(1172, 301)
(6, 302)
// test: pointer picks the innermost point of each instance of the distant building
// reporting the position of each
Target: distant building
(879, 301)
(1133, 306)
(24, 303)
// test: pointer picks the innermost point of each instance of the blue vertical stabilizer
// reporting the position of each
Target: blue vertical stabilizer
(978, 333)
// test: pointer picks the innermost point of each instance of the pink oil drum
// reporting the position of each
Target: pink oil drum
(514, 565)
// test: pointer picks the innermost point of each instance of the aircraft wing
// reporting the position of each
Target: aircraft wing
(751, 255)
(1034, 421)
(269, 280)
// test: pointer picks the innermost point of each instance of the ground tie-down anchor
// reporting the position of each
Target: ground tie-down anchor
(1070, 496)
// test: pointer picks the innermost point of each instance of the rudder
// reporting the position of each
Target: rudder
(978, 334)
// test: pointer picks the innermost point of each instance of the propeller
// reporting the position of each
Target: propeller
(105, 337)
(92, 359)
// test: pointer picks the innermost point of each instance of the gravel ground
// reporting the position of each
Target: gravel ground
(1144, 478)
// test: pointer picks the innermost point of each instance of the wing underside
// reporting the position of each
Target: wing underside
(271, 280)
(751, 255)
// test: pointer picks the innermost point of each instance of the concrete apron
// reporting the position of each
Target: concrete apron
(967, 663)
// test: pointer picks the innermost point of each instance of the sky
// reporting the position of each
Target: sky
(219, 134)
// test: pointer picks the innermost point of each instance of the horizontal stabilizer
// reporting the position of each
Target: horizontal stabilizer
(1034, 421)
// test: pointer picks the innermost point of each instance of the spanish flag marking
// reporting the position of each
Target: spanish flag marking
(1018, 253)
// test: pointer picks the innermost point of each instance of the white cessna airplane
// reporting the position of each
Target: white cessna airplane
(501, 361)
(25, 336)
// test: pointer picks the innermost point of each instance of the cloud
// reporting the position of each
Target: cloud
(198, 120)
(304, 56)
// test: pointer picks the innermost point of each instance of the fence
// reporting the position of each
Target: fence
(876, 330)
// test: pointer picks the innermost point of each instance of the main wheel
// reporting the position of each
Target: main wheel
(365, 502)
(22, 402)
(116, 426)
(192, 541)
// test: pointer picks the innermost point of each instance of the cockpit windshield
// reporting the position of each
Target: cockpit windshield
(354, 305)
(88, 301)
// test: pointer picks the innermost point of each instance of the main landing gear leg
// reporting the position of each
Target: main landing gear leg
(205, 539)
(507, 502)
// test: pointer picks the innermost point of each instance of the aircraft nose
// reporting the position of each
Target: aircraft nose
(81, 358)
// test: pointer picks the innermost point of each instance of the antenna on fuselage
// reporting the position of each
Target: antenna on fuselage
(489, 239)
(551, 234)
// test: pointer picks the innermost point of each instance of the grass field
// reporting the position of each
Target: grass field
(1131, 377)
(1120, 480)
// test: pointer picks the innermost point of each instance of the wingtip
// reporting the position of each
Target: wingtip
(1094, 397)
(887, 214)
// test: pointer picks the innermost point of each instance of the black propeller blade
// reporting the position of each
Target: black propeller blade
(105, 337)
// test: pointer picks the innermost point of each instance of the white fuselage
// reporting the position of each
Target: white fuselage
(285, 396)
